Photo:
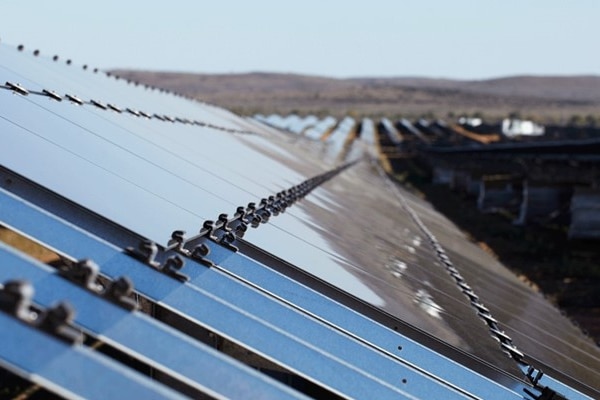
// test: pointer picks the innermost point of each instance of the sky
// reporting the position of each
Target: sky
(460, 39)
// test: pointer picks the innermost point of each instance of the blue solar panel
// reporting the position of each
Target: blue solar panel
(134, 333)
(72, 372)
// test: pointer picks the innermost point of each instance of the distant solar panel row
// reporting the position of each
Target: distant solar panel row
(342, 294)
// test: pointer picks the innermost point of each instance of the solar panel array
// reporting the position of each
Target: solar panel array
(200, 253)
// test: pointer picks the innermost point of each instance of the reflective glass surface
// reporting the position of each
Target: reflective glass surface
(353, 233)
(153, 176)
(189, 172)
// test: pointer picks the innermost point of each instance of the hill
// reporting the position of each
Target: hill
(540, 97)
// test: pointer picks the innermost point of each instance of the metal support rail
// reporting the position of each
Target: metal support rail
(30, 349)
(20, 90)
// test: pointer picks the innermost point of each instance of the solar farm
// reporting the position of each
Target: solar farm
(154, 246)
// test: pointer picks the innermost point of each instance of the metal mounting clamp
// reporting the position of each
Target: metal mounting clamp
(17, 88)
(149, 253)
(16, 299)
(85, 274)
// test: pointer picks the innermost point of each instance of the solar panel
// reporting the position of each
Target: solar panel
(168, 292)
(216, 304)
(71, 371)
(163, 348)
(342, 278)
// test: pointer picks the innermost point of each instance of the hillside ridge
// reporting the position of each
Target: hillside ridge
(545, 97)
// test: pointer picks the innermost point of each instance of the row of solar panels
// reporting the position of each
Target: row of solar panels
(339, 286)
(319, 342)
(326, 129)
(549, 335)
